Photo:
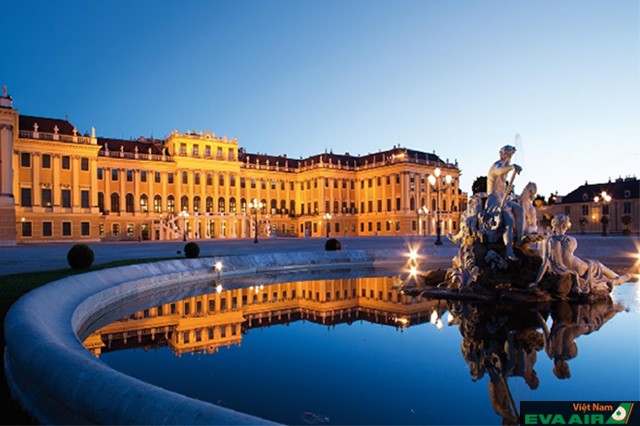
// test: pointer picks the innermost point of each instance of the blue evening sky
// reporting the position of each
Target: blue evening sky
(460, 78)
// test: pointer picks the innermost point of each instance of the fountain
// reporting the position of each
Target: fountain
(502, 254)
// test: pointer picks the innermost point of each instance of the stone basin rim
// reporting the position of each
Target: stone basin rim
(57, 380)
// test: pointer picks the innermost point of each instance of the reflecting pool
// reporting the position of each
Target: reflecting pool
(359, 351)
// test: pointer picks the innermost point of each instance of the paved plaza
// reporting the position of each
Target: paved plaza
(617, 252)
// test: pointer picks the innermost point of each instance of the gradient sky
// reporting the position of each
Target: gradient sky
(458, 78)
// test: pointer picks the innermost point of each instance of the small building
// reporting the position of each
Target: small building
(600, 207)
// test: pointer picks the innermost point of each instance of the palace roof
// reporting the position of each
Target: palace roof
(620, 189)
(46, 125)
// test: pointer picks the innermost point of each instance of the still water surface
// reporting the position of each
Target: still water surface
(356, 351)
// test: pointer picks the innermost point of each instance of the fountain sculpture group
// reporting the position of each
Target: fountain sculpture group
(503, 255)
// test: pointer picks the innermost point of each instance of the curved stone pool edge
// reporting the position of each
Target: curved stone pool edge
(57, 381)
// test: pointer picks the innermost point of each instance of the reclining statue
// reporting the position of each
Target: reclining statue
(591, 276)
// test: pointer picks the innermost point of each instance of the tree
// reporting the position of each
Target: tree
(479, 185)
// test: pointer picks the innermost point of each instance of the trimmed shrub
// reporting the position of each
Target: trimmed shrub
(192, 250)
(332, 244)
(80, 256)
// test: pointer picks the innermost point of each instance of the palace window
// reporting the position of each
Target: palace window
(100, 173)
(84, 164)
(209, 204)
(25, 159)
(157, 204)
(114, 174)
(232, 205)
(66, 198)
(85, 229)
(25, 197)
(185, 178)
(184, 203)
(115, 202)
(66, 229)
(196, 178)
(221, 205)
(196, 204)
(66, 162)
(101, 202)
(115, 229)
(143, 176)
(46, 161)
(26, 229)
(170, 178)
(47, 229)
(128, 204)
(84, 199)
(157, 177)
(129, 175)
(232, 181)
(209, 179)
(221, 180)
(144, 203)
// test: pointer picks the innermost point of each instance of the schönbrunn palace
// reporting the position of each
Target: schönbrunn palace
(59, 185)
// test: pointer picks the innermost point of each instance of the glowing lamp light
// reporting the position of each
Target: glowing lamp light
(434, 317)
(219, 288)
(218, 266)
(413, 271)
(450, 318)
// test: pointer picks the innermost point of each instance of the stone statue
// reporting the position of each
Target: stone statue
(590, 276)
(469, 220)
(504, 211)
(530, 221)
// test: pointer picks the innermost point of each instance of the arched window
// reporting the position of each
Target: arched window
(243, 205)
(412, 204)
(144, 203)
(434, 206)
(232, 205)
(157, 204)
(209, 204)
(264, 206)
(101, 202)
(196, 204)
(184, 203)
(221, 205)
(444, 205)
(115, 202)
(283, 206)
(292, 207)
(336, 206)
(171, 204)
(128, 203)
(453, 206)
(274, 205)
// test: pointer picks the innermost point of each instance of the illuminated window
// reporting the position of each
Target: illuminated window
(157, 204)
(144, 203)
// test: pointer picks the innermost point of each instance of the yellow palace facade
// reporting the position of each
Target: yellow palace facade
(59, 185)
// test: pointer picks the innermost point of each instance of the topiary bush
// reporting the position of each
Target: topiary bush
(332, 244)
(80, 256)
(191, 250)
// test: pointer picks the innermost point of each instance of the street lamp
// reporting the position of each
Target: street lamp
(327, 218)
(603, 200)
(438, 186)
(422, 211)
(255, 205)
(184, 215)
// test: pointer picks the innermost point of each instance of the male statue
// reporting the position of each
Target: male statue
(506, 211)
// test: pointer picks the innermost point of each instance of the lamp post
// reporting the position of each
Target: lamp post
(422, 211)
(255, 205)
(438, 186)
(327, 218)
(184, 215)
(603, 201)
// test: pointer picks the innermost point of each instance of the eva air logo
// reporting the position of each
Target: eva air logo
(621, 415)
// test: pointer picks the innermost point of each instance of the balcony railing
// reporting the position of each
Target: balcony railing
(56, 137)
(135, 155)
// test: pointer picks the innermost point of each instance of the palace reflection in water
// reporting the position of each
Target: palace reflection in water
(207, 322)
(500, 342)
